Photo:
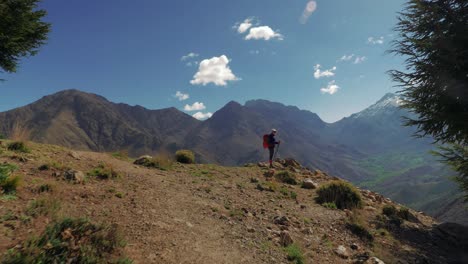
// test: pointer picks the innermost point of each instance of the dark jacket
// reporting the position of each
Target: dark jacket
(272, 141)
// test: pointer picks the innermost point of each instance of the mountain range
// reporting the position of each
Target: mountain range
(370, 148)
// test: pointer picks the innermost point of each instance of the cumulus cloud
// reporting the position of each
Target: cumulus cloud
(195, 107)
(215, 70)
(327, 73)
(375, 40)
(331, 88)
(263, 32)
(358, 59)
(244, 26)
(181, 96)
(201, 116)
(310, 8)
(191, 55)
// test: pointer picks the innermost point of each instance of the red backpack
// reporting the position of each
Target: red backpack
(266, 138)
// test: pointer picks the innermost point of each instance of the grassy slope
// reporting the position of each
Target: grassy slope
(196, 213)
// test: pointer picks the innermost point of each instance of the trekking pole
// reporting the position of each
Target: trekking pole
(276, 152)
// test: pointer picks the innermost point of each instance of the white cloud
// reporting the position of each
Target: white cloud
(214, 70)
(181, 96)
(346, 57)
(327, 73)
(244, 26)
(331, 88)
(191, 63)
(201, 116)
(375, 40)
(254, 52)
(263, 32)
(310, 8)
(195, 107)
(191, 55)
(358, 59)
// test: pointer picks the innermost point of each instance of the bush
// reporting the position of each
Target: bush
(104, 172)
(360, 231)
(185, 156)
(121, 154)
(396, 216)
(44, 167)
(343, 194)
(286, 177)
(330, 206)
(8, 183)
(294, 254)
(42, 206)
(389, 210)
(18, 146)
(2, 136)
(95, 243)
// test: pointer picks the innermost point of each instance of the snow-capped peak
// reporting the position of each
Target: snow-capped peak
(388, 104)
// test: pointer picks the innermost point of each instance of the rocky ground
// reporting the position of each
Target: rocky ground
(206, 213)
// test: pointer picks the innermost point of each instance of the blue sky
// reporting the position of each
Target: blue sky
(131, 52)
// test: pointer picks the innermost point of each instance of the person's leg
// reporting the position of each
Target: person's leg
(272, 152)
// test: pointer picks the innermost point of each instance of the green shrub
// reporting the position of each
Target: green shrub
(286, 177)
(294, 254)
(42, 206)
(95, 244)
(18, 146)
(104, 172)
(9, 184)
(404, 213)
(343, 194)
(2, 136)
(44, 167)
(185, 156)
(360, 231)
(389, 210)
(330, 205)
(7, 168)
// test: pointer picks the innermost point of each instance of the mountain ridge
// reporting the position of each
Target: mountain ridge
(366, 149)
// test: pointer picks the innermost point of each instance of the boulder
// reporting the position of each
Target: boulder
(374, 260)
(281, 220)
(74, 175)
(143, 160)
(309, 184)
(285, 239)
(342, 252)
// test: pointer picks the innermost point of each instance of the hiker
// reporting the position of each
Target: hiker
(271, 144)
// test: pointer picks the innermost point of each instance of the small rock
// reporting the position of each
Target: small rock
(281, 220)
(309, 184)
(374, 260)
(342, 252)
(354, 246)
(370, 208)
(285, 239)
(250, 229)
(269, 173)
(306, 231)
(74, 175)
(143, 160)
(74, 155)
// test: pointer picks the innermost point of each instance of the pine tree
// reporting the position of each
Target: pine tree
(433, 38)
(22, 31)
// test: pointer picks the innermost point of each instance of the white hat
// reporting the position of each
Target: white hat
(273, 130)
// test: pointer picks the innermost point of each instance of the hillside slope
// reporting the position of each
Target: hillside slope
(87, 121)
(211, 214)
